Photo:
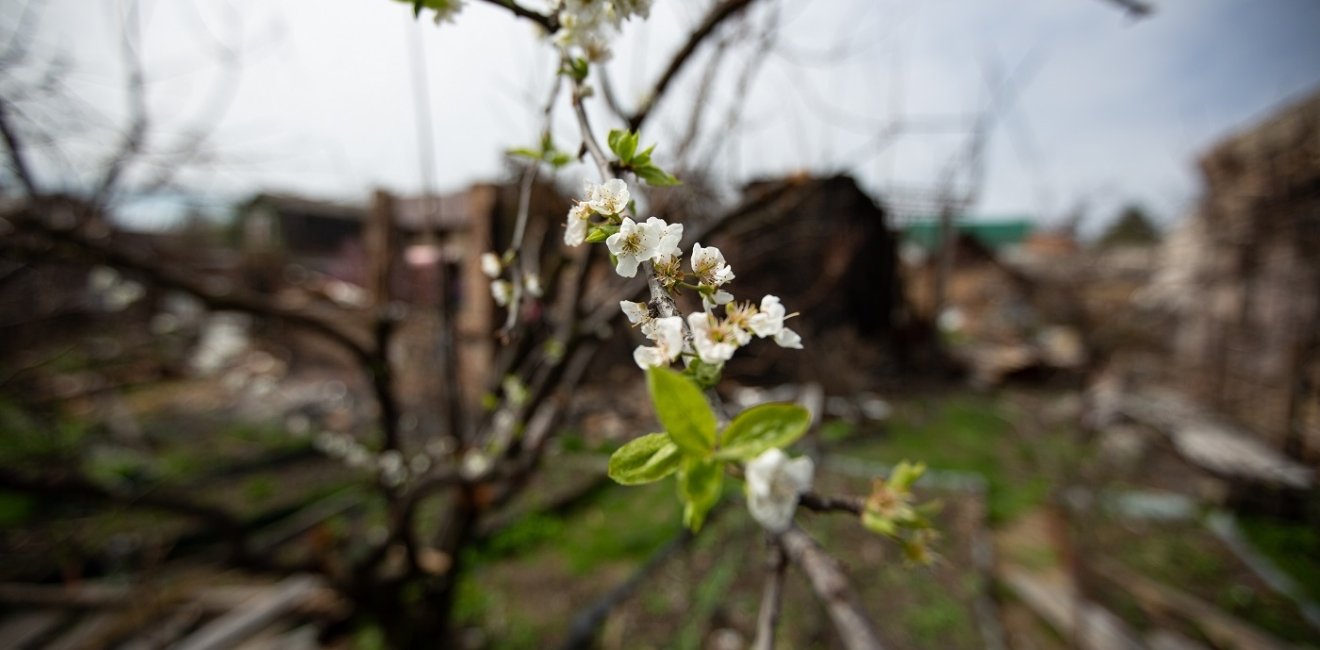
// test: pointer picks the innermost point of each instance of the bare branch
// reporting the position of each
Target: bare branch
(718, 14)
(771, 598)
(588, 138)
(214, 295)
(14, 150)
(831, 586)
(1136, 9)
(549, 23)
(819, 503)
(135, 136)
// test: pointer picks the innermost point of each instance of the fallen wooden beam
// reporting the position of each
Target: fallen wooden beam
(1218, 626)
(247, 620)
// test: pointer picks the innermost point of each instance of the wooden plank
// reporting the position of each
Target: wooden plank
(1219, 627)
(27, 627)
(89, 632)
(1092, 627)
(244, 622)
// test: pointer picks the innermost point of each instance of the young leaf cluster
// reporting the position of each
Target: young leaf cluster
(546, 154)
(624, 145)
(692, 446)
(891, 511)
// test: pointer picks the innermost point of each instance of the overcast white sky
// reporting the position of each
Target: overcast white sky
(1106, 110)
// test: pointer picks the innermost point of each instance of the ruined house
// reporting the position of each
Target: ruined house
(824, 247)
(324, 246)
(1241, 279)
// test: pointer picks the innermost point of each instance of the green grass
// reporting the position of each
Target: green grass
(1293, 547)
(971, 434)
(939, 620)
(1189, 558)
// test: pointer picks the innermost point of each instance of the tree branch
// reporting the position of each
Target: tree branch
(14, 148)
(820, 503)
(549, 23)
(213, 295)
(831, 586)
(771, 598)
(1136, 9)
(718, 14)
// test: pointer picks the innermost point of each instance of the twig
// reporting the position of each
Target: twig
(588, 138)
(772, 597)
(215, 297)
(718, 14)
(549, 23)
(14, 147)
(136, 135)
(819, 503)
(1134, 8)
(831, 586)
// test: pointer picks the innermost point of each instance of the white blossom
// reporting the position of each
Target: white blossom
(769, 321)
(716, 299)
(632, 245)
(392, 471)
(739, 315)
(638, 315)
(475, 463)
(668, 269)
(670, 235)
(502, 292)
(668, 336)
(708, 263)
(714, 339)
(773, 485)
(590, 24)
(491, 266)
(587, 24)
(627, 8)
(575, 229)
(610, 197)
(532, 284)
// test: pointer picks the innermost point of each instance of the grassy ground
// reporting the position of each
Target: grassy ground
(974, 433)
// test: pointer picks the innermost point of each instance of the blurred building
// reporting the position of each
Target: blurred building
(327, 247)
(824, 247)
(1241, 278)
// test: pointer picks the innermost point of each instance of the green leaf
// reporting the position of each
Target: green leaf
(644, 158)
(600, 233)
(623, 144)
(763, 427)
(682, 409)
(655, 176)
(905, 474)
(559, 159)
(879, 525)
(645, 460)
(628, 147)
(523, 152)
(699, 486)
(615, 140)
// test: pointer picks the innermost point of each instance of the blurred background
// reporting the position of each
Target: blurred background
(1066, 252)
